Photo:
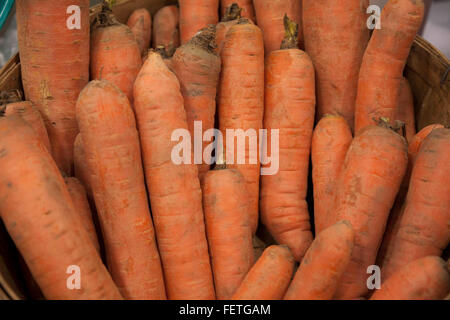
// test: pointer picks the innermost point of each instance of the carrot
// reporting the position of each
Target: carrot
(229, 19)
(196, 15)
(289, 108)
(384, 61)
(115, 54)
(241, 100)
(247, 8)
(55, 67)
(325, 262)
(270, 276)
(228, 229)
(32, 116)
(369, 181)
(81, 167)
(198, 69)
(270, 14)
(174, 190)
(405, 109)
(423, 279)
(336, 36)
(166, 31)
(398, 209)
(423, 227)
(111, 142)
(331, 140)
(80, 201)
(140, 23)
(39, 215)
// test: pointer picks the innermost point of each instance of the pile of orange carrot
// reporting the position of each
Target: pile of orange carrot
(90, 182)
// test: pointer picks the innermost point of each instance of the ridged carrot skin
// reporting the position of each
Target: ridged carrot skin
(228, 229)
(81, 168)
(111, 142)
(270, 14)
(269, 278)
(423, 228)
(55, 67)
(384, 60)
(166, 29)
(247, 8)
(174, 190)
(289, 108)
(325, 262)
(140, 23)
(405, 109)
(39, 215)
(368, 184)
(115, 54)
(423, 279)
(198, 69)
(80, 201)
(33, 117)
(241, 99)
(196, 15)
(336, 36)
(331, 140)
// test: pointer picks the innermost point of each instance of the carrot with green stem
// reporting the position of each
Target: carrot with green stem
(140, 23)
(198, 69)
(371, 175)
(115, 53)
(325, 262)
(54, 58)
(196, 15)
(422, 279)
(336, 36)
(270, 15)
(247, 8)
(174, 190)
(290, 109)
(382, 66)
(40, 217)
(231, 17)
(166, 31)
(111, 142)
(331, 140)
(423, 227)
(228, 228)
(269, 278)
(241, 104)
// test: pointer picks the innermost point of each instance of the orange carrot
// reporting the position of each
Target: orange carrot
(174, 190)
(140, 23)
(166, 31)
(196, 15)
(111, 141)
(270, 276)
(32, 116)
(115, 54)
(369, 181)
(229, 19)
(198, 69)
(39, 215)
(325, 262)
(423, 227)
(336, 36)
(405, 109)
(241, 101)
(80, 201)
(422, 279)
(289, 108)
(228, 229)
(331, 140)
(398, 209)
(55, 67)
(270, 14)
(384, 61)
(247, 7)
(81, 167)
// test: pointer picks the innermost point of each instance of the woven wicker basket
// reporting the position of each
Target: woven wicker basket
(427, 70)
